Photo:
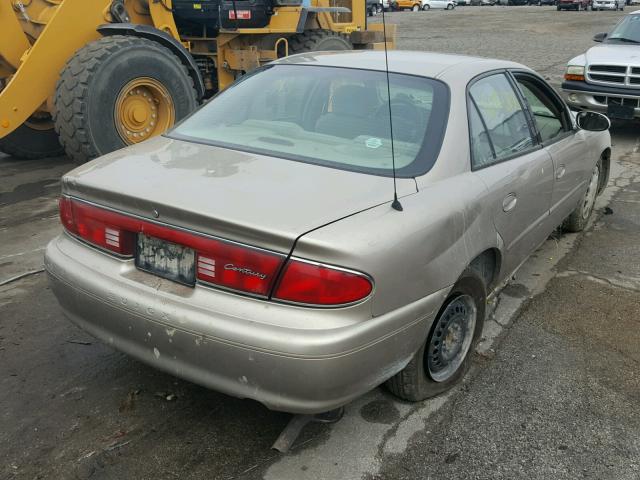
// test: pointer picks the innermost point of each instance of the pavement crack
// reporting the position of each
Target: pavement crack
(598, 279)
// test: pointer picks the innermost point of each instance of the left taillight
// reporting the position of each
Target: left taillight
(219, 262)
(66, 214)
(97, 226)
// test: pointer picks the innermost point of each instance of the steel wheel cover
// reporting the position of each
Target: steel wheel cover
(590, 195)
(451, 339)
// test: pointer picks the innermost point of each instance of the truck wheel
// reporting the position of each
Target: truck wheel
(445, 357)
(578, 219)
(35, 138)
(118, 91)
(318, 40)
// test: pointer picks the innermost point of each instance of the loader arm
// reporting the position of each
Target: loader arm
(72, 25)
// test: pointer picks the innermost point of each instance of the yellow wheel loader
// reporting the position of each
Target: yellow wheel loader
(86, 77)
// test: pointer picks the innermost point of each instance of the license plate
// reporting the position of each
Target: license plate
(623, 112)
(165, 259)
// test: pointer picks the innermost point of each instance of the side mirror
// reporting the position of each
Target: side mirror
(599, 37)
(593, 121)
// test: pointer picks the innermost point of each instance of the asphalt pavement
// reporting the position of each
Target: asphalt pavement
(553, 391)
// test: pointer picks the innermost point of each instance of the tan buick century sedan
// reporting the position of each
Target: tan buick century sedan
(254, 249)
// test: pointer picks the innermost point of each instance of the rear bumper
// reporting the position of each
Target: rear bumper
(236, 345)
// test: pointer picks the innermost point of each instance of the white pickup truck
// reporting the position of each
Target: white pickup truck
(607, 77)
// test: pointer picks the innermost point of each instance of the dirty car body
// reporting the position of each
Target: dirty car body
(286, 276)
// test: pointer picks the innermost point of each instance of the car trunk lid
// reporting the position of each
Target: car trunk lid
(253, 199)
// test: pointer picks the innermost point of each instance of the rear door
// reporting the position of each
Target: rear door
(566, 145)
(517, 171)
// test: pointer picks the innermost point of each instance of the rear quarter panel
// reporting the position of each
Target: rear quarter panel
(412, 253)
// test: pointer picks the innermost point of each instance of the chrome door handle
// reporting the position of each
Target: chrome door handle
(509, 202)
(560, 172)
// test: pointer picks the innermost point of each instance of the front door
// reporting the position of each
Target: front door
(566, 145)
(517, 171)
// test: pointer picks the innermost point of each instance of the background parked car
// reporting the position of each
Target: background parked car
(606, 77)
(608, 5)
(578, 5)
(413, 5)
(438, 4)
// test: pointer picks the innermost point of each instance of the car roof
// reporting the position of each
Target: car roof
(426, 64)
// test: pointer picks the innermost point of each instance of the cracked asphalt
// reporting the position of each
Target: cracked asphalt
(553, 391)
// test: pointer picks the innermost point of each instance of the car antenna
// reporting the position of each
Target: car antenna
(396, 205)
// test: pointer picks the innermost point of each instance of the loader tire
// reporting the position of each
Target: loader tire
(27, 143)
(117, 91)
(318, 40)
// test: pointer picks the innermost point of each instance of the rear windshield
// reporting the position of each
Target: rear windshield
(337, 117)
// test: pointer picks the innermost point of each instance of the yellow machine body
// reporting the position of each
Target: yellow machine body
(38, 37)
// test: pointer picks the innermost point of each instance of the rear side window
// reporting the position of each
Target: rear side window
(481, 149)
(504, 119)
(337, 117)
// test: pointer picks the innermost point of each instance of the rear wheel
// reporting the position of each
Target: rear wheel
(118, 91)
(445, 356)
(577, 221)
(318, 40)
(35, 138)
(416, 8)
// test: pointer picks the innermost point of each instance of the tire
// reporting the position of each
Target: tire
(416, 382)
(426, 7)
(95, 80)
(318, 40)
(415, 8)
(27, 143)
(449, 7)
(578, 219)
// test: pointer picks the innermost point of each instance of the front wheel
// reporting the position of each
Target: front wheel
(426, 7)
(578, 219)
(444, 358)
(416, 8)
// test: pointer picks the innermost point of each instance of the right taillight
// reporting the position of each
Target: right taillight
(317, 284)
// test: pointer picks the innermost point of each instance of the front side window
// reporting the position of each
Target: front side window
(548, 114)
(337, 117)
(503, 116)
